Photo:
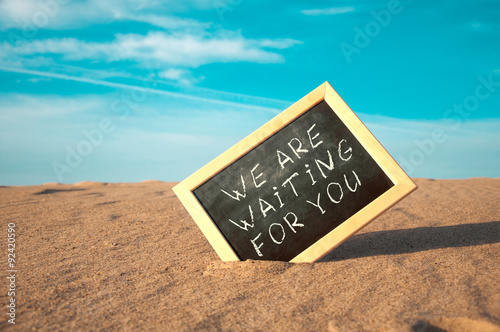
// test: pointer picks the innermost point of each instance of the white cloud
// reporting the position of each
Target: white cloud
(64, 14)
(278, 43)
(182, 76)
(160, 49)
(172, 74)
(185, 43)
(328, 11)
(14, 11)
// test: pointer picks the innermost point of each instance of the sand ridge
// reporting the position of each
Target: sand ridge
(104, 256)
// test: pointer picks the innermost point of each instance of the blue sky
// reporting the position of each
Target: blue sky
(124, 91)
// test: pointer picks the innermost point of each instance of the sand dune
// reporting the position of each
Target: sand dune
(95, 256)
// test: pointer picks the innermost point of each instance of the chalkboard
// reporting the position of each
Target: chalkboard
(297, 187)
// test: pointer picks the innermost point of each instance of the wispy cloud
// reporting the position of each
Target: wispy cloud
(328, 11)
(178, 95)
(18, 108)
(164, 139)
(59, 14)
(160, 48)
(174, 144)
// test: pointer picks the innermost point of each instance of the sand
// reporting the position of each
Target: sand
(101, 257)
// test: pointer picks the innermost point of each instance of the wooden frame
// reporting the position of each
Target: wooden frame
(403, 185)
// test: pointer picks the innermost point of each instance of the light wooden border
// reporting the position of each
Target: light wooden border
(403, 185)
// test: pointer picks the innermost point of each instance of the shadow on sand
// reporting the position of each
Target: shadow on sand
(55, 191)
(404, 241)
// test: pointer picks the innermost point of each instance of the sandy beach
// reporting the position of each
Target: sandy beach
(103, 257)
